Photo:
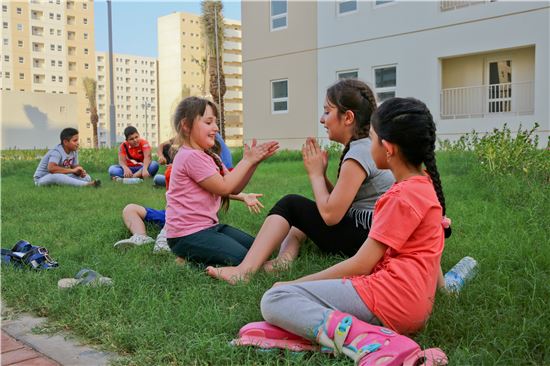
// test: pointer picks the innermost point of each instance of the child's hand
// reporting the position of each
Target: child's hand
(162, 160)
(83, 173)
(315, 159)
(127, 172)
(251, 201)
(257, 153)
(78, 171)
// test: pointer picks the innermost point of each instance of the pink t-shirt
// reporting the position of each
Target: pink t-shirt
(401, 289)
(189, 207)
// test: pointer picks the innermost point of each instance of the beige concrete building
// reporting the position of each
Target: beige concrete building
(135, 96)
(48, 47)
(182, 70)
(293, 51)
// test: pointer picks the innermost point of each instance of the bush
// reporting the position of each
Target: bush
(501, 153)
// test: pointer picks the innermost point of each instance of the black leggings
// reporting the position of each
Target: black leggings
(343, 238)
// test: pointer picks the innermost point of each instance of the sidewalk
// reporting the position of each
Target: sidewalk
(15, 353)
(23, 347)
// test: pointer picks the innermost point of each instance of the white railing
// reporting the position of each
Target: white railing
(483, 100)
(445, 5)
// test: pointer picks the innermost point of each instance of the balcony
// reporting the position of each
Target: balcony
(71, 20)
(37, 47)
(37, 15)
(446, 5)
(39, 78)
(486, 100)
(38, 63)
(37, 31)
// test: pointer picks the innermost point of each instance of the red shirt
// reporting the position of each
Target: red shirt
(134, 155)
(401, 289)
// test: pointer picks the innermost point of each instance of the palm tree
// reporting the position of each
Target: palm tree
(212, 21)
(90, 89)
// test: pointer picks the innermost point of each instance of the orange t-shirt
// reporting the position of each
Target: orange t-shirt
(401, 289)
(136, 154)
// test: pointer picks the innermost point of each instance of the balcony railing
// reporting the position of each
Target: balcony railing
(456, 4)
(484, 100)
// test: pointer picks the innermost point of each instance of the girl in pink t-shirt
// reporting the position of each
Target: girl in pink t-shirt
(392, 279)
(200, 183)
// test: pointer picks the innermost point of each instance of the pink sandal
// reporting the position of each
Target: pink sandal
(266, 336)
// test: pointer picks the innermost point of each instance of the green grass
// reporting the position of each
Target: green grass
(161, 314)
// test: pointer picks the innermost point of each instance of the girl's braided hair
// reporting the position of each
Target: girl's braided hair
(408, 123)
(356, 96)
(186, 112)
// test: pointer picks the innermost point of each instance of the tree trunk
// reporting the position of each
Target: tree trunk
(218, 98)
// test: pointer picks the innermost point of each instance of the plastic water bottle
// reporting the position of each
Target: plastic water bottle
(460, 274)
(129, 180)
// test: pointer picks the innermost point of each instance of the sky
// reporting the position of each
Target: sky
(135, 22)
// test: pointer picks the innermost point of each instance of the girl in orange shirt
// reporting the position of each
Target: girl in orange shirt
(392, 279)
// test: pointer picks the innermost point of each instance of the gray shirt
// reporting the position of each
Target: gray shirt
(377, 182)
(58, 156)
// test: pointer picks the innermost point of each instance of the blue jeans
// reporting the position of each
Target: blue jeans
(160, 180)
(117, 171)
(219, 244)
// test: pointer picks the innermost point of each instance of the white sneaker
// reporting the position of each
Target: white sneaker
(134, 240)
(161, 244)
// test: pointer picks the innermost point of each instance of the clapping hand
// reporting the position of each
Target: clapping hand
(256, 153)
(315, 159)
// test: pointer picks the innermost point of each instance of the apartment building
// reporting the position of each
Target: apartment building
(476, 64)
(135, 94)
(183, 70)
(47, 47)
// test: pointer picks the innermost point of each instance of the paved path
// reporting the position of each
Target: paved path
(21, 346)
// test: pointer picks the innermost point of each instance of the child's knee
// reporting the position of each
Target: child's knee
(132, 209)
(270, 304)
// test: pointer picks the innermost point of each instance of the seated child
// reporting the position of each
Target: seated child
(60, 164)
(134, 157)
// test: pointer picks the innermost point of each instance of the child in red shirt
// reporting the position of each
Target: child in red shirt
(134, 157)
(392, 279)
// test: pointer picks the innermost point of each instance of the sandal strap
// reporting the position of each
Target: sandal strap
(85, 276)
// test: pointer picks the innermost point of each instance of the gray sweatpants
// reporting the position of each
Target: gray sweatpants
(63, 179)
(301, 308)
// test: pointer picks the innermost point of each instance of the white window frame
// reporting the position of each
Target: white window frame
(338, 73)
(274, 100)
(339, 13)
(387, 89)
(278, 16)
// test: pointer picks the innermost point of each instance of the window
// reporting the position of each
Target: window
(21, 76)
(385, 82)
(53, 77)
(52, 31)
(19, 27)
(52, 62)
(59, 47)
(347, 6)
(85, 35)
(21, 60)
(19, 43)
(86, 66)
(382, 2)
(348, 74)
(279, 96)
(52, 47)
(19, 11)
(7, 74)
(4, 8)
(59, 32)
(85, 20)
(500, 86)
(84, 6)
(61, 79)
(5, 25)
(60, 63)
(278, 14)
(6, 41)
(51, 16)
(6, 58)
(85, 51)
(58, 16)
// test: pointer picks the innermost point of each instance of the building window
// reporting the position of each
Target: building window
(52, 47)
(347, 6)
(385, 82)
(278, 14)
(58, 16)
(59, 32)
(53, 78)
(52, 31)
(51, 16)
(6, 58)
(61, 79)
(60, 63)
(21, 60)
(52, 62)
(19, 43)
(86, 66)
(500, 86)
(6, 41)
(5, 25)
(7, 74)
(59, 48)
(383, 2)
(19, 27)
(21, 76)
(84, 6)
(85, 51)
(85, 35)
(19, 11)
(347, 74)
(279, 96)
(85, 20)
(5, 8)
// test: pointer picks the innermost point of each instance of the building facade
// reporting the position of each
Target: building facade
(136, 99)
(183, 70)
(474, 63)
(48, 47)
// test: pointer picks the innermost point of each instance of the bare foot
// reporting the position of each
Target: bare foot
(231, 275)
(276, 265)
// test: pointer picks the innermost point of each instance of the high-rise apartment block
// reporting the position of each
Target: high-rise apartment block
(183, 70)
(135, 90)
(48, 47)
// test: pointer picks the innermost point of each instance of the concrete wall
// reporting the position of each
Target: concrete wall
(34, 120)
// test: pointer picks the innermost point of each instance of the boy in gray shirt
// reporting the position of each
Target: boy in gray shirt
(60, 164)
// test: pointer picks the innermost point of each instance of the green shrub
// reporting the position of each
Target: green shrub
(501, 153)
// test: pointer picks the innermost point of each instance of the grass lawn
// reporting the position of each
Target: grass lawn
(158, 313)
